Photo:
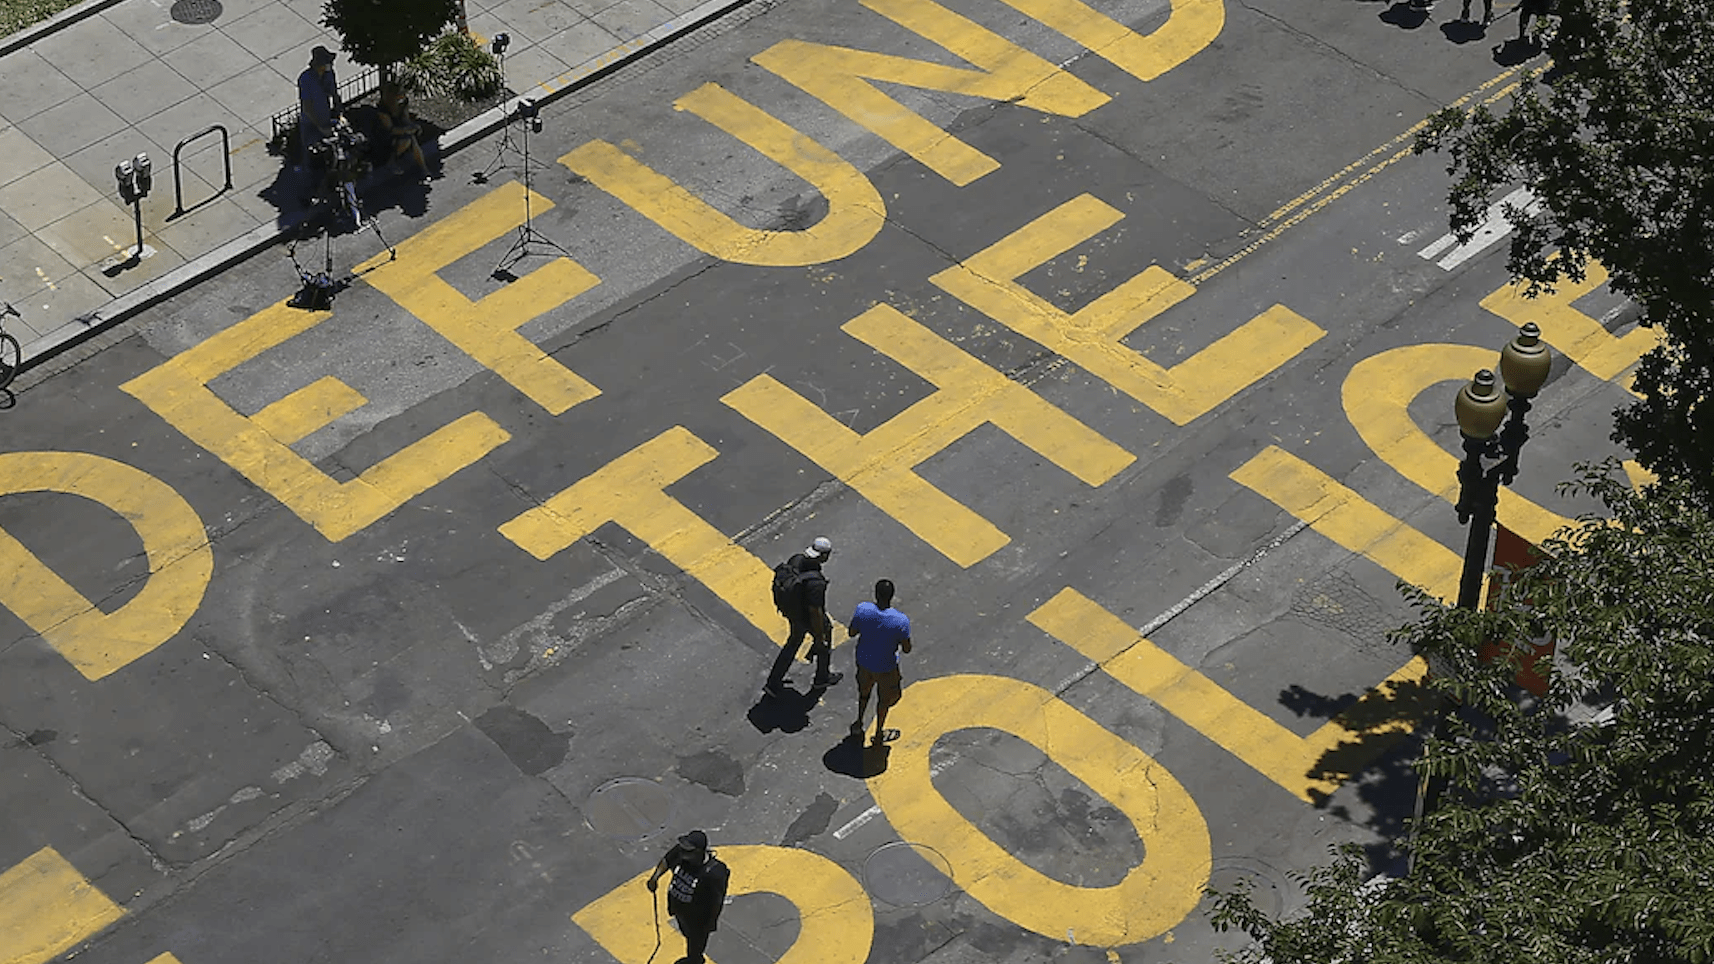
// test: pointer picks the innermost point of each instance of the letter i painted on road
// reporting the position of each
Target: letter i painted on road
(1091, 336)
(258, 446)
(836, 924)
(840, 77)
(855, 211)
(880, 464)
(1310, 767)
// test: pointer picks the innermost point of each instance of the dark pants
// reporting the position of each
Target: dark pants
(788, 652)
(695, 939)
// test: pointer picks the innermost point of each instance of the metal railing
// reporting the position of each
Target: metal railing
(178, 182)
(367, 80)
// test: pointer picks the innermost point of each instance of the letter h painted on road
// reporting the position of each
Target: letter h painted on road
(880, 464)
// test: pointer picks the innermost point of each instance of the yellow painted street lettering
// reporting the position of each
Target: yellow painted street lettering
(177, 390)
(1152, 898)
(855, 211)
(880, 464)
(487, 329)
(1091, 337)
(99, 643)
(1350, 520)
(47, 908)
(840, 77)
(1192, 26)
(1377, 395)
(836, 924)
(630, 492)
(1583, 339)
(1310, 767)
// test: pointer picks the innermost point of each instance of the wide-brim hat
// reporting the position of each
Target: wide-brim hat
(320, 55)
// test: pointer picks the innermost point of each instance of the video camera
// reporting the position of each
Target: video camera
(340, 153)
(529, 110)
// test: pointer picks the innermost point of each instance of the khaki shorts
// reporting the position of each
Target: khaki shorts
(890, 683)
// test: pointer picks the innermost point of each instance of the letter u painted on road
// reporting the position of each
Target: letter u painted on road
(98, 643)
(1151, 899)
(855, 211)
(836, 924)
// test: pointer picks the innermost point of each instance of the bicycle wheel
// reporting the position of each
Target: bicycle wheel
(11, 356)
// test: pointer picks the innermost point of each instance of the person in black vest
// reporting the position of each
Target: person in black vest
(807, 617)
(697, 892)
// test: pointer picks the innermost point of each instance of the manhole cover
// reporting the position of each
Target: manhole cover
(905, 874)
(629, 808)
(196, 11)
(1271, 891)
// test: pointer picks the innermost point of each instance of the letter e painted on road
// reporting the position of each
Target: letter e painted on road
(487, 329)
(880, 464)
(840, 77)
(836, 924)
(1152, 898)
(855, 211)
(257, 447)
(98, 643)
(1091, 336)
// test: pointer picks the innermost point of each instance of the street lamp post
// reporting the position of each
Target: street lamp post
(1482, 407)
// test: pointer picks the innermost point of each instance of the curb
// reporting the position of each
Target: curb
(132, 303)
(53, 25)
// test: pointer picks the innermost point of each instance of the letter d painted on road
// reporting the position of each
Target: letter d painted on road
(180, 562)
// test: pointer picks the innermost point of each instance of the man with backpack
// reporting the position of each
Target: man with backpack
(696, 894)
(800, 594)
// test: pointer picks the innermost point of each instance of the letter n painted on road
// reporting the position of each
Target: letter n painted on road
(180, 562)
(257, 446)
(880, 464)
(840, 77)
(630, 492)
(855, 211)
(47, 908)
(487, 329)
(1192, 26)
(987, 281)
(836, 924)
(1311, 767)
(1152, 898)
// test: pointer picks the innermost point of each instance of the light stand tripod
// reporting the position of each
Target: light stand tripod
(528, 117)
(501, 42)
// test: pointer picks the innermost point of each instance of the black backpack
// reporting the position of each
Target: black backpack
(788, 588)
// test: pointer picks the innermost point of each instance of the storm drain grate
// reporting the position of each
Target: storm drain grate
(196, 11)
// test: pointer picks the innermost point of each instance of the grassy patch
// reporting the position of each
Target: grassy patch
(15, 15)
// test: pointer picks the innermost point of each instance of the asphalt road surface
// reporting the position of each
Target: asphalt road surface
(1124, 342)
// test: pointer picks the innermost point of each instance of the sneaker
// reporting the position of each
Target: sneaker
(831, 679)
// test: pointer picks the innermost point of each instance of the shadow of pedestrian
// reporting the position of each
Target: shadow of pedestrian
(852, 757)
(1405, 15)
(1515, 51)
(1463, 31)
(788, 713)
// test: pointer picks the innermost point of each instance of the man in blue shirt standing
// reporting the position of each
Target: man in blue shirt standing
(318, 99)
(882, 632)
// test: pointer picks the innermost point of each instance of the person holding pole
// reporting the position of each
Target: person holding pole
(697, 891)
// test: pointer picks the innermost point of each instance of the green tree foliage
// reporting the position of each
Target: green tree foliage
(1617, 141)
(452, 66)
(1564, 837)
(381, 33)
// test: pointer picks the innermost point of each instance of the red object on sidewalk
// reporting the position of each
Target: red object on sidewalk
(1513, 554)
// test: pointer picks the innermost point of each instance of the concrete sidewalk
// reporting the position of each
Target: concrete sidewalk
(109, 78)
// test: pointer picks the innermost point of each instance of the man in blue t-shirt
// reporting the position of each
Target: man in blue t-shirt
(318, 99)
(882, 632)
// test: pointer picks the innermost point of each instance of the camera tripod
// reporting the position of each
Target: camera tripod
(528, 117)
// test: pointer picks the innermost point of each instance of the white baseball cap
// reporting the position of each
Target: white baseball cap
(821, 547)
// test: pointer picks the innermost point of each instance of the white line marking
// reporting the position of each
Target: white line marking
(875, 811)
(1494, 226)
